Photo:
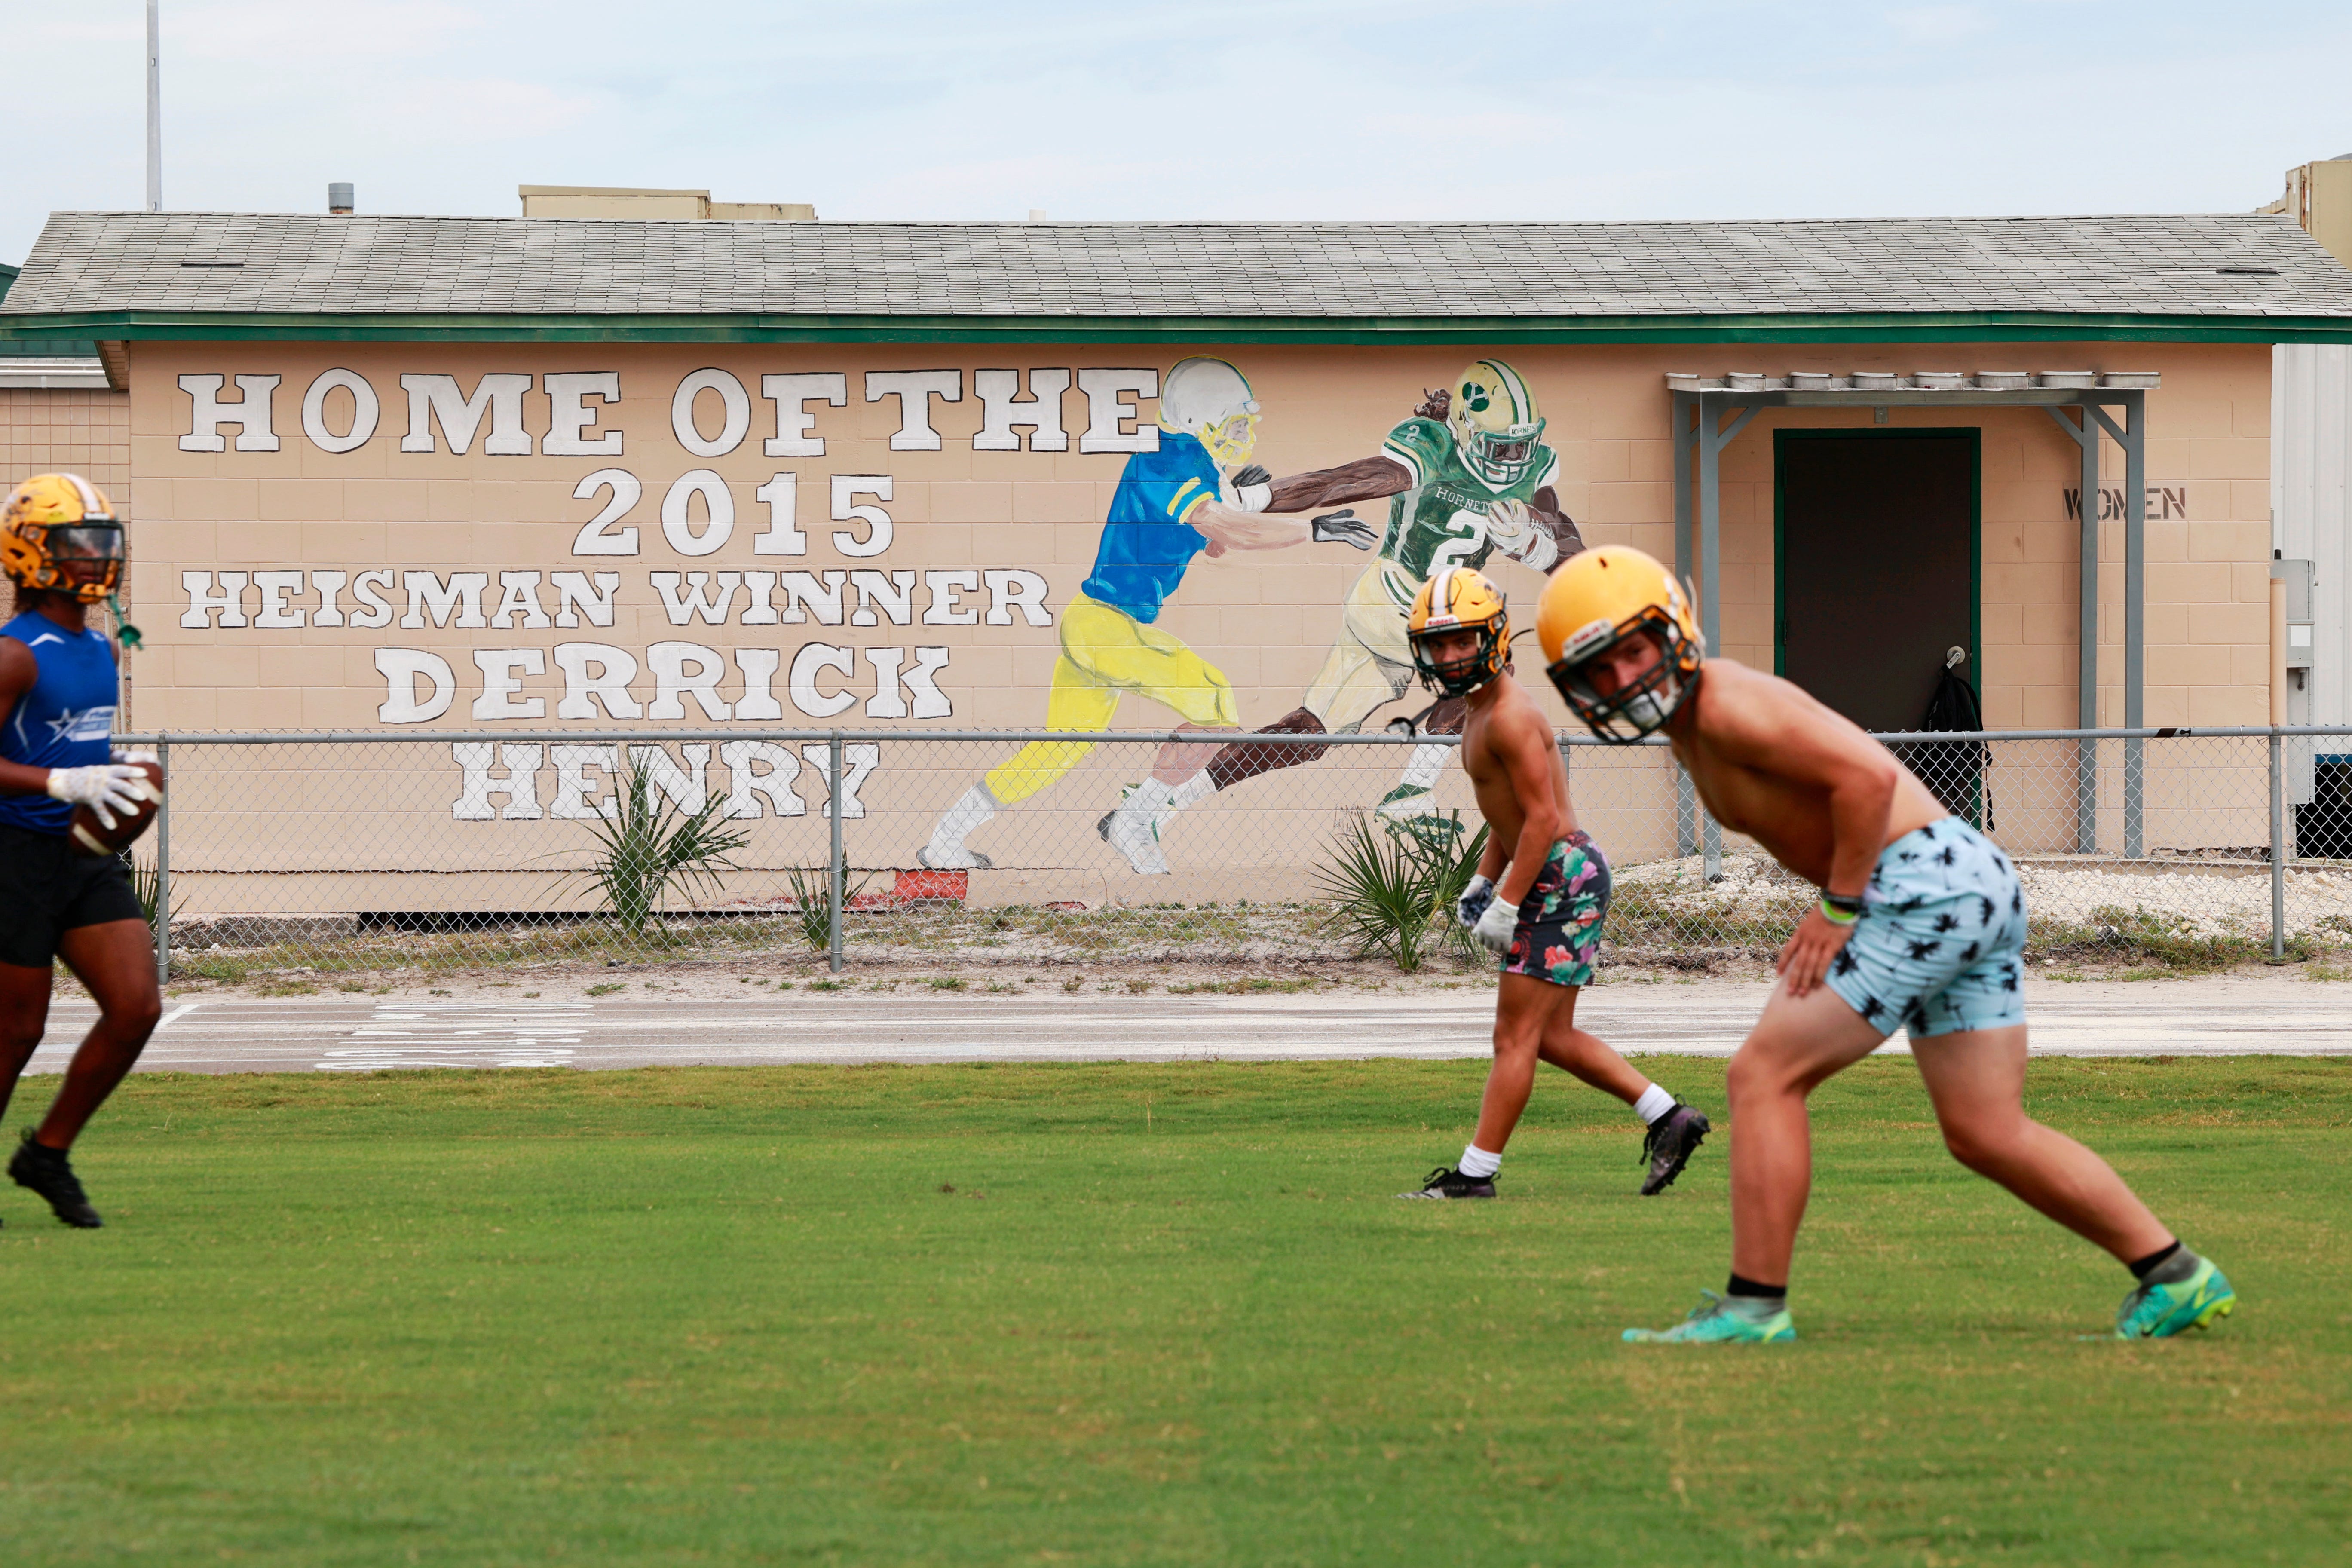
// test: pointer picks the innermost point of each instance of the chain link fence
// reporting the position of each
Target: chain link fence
(328, 853)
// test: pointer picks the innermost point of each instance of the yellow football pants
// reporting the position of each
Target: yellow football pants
(1370, 661)
(1107, 652)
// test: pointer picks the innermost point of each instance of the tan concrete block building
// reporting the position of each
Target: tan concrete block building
(429, 475)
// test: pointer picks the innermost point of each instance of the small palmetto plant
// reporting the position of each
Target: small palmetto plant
(812, 902)
(651, 845)
(1388, 888)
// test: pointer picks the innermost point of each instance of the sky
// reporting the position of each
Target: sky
(1208, 109)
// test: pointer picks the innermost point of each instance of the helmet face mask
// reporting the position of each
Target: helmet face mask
(1455, 601)
(1495, 423)
(1634, 709)
(1210, 400)
(60, 535)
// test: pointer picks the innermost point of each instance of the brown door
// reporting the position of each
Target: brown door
(1876, 560)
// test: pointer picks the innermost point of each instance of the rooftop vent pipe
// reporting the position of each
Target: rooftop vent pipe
(338, 198)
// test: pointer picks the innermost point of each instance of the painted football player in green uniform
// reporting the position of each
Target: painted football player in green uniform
(1470, 477)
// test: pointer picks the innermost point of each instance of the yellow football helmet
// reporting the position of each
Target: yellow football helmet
(1598, 600)
(1455, 598)
(1495, 423)
(59, 533)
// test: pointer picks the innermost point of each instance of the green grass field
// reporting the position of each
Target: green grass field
(1166, 1314)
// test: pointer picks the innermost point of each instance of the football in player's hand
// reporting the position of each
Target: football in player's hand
(92, 836)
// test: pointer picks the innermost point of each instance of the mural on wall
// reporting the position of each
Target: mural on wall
(1467, 476)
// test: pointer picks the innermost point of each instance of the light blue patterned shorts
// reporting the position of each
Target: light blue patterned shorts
(1940, 946)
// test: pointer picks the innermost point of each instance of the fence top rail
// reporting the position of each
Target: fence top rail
(1100, 737)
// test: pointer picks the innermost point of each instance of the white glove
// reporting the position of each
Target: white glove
(1473, 901)
(104, 787)
(1509, 525)
(1495, 927)
(120, 755)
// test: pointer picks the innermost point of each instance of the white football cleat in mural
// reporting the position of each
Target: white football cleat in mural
(946, 851)
(1132, 833)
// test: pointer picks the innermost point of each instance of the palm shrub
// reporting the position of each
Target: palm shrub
(1387, 887)
(812, 902)
(650, 846)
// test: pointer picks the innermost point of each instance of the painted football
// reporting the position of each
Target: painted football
(93, 837)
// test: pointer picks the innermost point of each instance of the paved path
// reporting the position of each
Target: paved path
(2264, 1015)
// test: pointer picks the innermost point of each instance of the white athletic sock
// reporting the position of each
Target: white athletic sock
(1477, 1162)
(1654, 1102)
(1427, 762)
(1194, 790)
(1148, 799)
(976, 806)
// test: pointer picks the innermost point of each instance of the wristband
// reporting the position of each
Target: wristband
(1841, 909)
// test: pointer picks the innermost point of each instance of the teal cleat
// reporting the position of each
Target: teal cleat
(2160, 1311)
(1718, 1320)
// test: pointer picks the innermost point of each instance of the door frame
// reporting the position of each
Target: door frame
(1974, 435)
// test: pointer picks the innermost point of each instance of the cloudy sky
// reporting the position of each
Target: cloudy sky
(1201, 109)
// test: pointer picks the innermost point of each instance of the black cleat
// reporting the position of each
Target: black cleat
(1445, 1183)
(1668, 1145)
(47, 1172)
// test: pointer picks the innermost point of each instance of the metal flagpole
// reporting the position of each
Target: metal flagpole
(154, 109)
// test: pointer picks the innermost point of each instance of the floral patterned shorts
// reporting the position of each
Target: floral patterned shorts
(1560, 922)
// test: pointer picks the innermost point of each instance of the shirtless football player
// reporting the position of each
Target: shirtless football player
(1921, 925)
(1540, 896)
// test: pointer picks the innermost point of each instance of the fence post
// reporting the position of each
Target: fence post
(833, 810)
(163, 866)
(2278, 849)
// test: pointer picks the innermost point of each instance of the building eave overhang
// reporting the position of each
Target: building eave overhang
(1920, 327)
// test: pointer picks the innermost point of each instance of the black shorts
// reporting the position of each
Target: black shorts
(49, 888)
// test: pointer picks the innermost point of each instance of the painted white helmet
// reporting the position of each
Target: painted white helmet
(1209, 398)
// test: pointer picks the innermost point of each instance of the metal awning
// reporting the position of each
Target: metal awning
(1702, 407)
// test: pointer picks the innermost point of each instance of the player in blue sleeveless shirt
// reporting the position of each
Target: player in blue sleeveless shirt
(61, 544)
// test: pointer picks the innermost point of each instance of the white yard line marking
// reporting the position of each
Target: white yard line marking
(181, 1011)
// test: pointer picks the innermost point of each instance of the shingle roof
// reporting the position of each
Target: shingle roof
(238, 263)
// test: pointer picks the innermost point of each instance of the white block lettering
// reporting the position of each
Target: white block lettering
(783, 535)
(803, 588)
(596, 673)
(251, 417)
(520, 786)
(846, 488)
(502, 671)
(734, 424)
(401, 669)
(517, 595)
(717, 500)
(686, 669)
(1007, 589)
(791, 394)
(432, 397)
(1001, 410)
(857, 761)
(461, 596)
(758, 698)
(694, 600)
(573, 785)
(914, 389)
(203, 601)
(379, 608)
(365, 411)
(330, 584)
(745, 782)
(895, 594)
(943, 610)
(275, 611)
(813, 658)
(572, 597)
(568, 436)
(1107, 407)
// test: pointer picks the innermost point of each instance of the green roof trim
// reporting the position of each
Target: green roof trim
(1872, 327)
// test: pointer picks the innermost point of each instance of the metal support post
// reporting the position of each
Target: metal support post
(833, 810)
(1712, 439)
(164, 867)
(1686, 412)
(2131, 436)
(2278, 849)
(2086, 632)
